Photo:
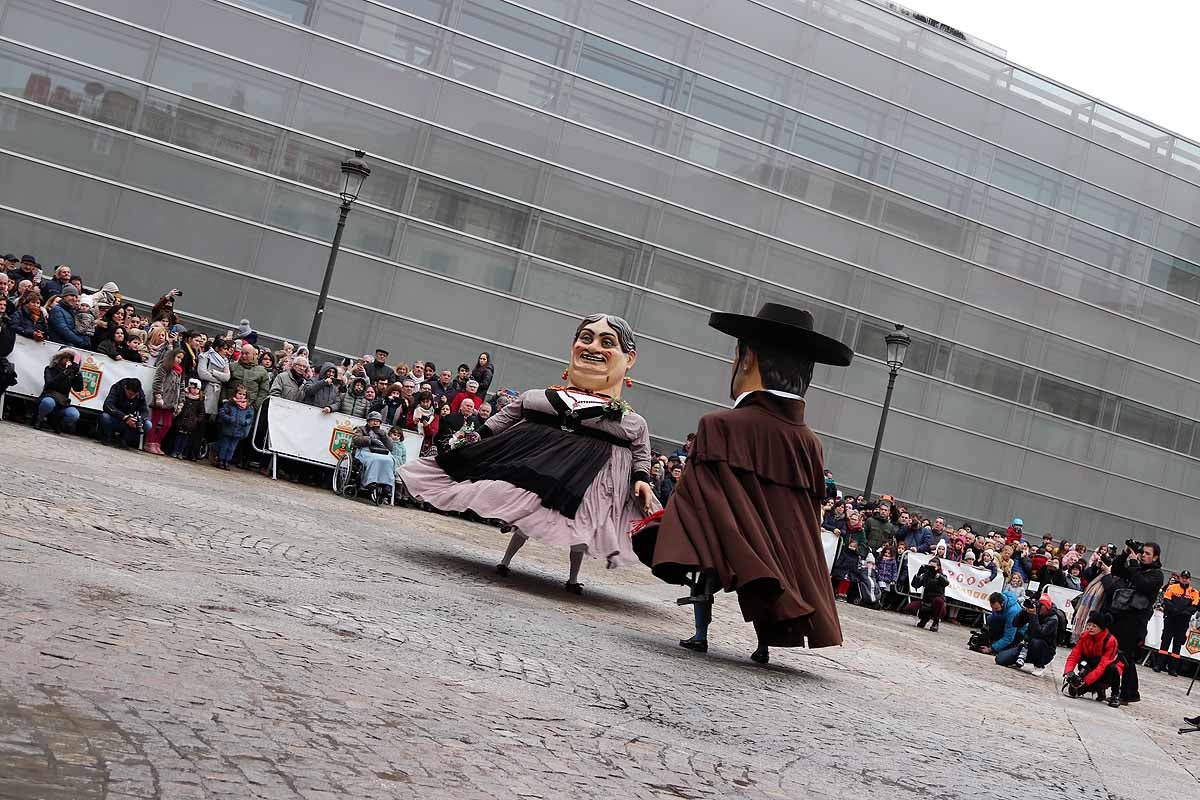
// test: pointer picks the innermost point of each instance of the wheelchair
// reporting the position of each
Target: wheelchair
(347, 480)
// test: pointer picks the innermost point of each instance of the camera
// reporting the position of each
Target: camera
(1029, 603)
(177, 292)
(1134, 545)
(1075, 677)
(978, 641)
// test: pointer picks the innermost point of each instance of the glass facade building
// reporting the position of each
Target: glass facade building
(537, 160)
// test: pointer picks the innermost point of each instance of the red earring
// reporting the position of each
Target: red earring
(628, 382)
(564, 375)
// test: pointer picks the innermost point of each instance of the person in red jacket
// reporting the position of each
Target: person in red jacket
(1103, 668)
(1014, 532)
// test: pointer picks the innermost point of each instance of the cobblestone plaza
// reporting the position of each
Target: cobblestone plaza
(535, 160)
(171, 631)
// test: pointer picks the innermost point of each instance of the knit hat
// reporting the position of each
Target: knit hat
(69, 291)
(970, 556)
(244, 328)
(1018, 522)
(193, 382)
(1045, 602)
(374, 415)
(1101, 619)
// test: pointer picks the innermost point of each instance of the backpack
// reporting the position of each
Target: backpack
(1064, 636)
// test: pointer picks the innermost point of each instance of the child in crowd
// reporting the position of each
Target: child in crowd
(189, 419)
(234, 421)
(399, 451)
(85, 317)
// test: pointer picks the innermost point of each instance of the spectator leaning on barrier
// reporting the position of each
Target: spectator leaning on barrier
(54, 405)
(1131, 603)
(1180, 601)
(62, 320)
(126, 413)
(355, 402)
(289, 384)
(325, 389)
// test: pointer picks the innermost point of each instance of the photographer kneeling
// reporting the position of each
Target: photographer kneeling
(932, 604)
(1094, 664)
(1002, 631)
(1041, 636)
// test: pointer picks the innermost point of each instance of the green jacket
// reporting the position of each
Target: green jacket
(255, 378)
(878, 531)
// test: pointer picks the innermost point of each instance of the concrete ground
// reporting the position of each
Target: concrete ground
(169, 630)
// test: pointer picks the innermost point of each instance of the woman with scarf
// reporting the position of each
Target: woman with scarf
(117, 348)
(156, 343)
(234, 421)
(213, 371)
(30, 319)
(168, 397)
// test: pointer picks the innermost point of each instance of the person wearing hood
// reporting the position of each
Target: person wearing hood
(325, 389)
(374, 452)
(105, 298)
(125, 412)
(1131, 603)
(62, 376)
(354, 401)
(1003, 631)
(246, 333)
(289, 384)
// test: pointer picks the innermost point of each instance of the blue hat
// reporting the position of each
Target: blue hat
(1018, 522)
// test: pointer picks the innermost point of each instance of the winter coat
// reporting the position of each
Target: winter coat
(59, 381)
(25, 325)
(859, 536)
(934, 583)
(356, 405)
(1013, 535)
(235, 422)
(919, 539)
(878, 531)
(847, 565)
(374, 439)
(1179, 602)
(1145, 581)
(213, 370)
(288, 386)
(477, 399)
(118, 406)
(376, 372)
(1006, 626)
(62, 328)
(1100, 650)
(887, 570)
(167, 388)
(191, 416)
(1039, 627)
(255, 378)
(320, 394)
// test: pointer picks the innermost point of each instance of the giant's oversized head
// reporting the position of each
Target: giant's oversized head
(603, 351)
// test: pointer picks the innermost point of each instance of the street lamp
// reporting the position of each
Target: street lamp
(354, 173)
(897, 343)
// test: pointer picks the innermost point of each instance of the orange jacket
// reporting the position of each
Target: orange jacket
(1178, 602)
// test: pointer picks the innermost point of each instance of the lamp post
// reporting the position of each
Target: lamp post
(897, 345)
(354, 173)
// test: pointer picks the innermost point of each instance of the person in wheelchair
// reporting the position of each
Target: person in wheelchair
(1094, 664)
(373, 452)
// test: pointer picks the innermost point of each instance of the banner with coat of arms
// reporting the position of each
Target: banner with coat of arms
(295, 430)
(99, 372)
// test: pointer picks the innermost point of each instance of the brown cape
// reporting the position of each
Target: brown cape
(748, 507)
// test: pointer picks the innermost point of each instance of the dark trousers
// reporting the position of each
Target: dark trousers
(1175, 631)
(1110, 678)
(935, 609)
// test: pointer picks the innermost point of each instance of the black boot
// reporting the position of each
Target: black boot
(761, 656)
(694, 644)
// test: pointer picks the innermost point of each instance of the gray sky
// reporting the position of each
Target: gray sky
(1143, 56)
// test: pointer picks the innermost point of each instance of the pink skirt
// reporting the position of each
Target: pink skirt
(602, 523)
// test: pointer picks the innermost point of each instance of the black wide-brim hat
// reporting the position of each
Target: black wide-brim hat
(784, 326)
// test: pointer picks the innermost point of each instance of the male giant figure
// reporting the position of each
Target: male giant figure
(746, 515)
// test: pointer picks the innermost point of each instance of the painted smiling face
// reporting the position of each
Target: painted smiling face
(598, 361)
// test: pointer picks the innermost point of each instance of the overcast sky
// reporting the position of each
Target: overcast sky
(1142, 56)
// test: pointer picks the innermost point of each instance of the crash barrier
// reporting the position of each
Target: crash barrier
(99, 373)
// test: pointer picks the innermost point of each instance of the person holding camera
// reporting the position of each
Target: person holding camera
(1040, 622)
(1137, 576)
(126, 413)
(1003, 631)
(1094, 664)
(54, 405)
(933, 599)
(325, 390)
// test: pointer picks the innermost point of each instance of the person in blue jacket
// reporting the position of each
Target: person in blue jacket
(234, 420)
(1002, 627)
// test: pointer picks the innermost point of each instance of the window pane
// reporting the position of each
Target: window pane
(457, 257)
(291, 10)
(75, 90)
(210, 130)
(378, 30)
(627, 69)
(697, 282)
(565, 241)
(985, 374)
(506, 25)
(1147, 424)
(572, 291)
(316, 215)
(318, 164)
(221, 81)
(470, 213)
(80, 35)
(1067, 400)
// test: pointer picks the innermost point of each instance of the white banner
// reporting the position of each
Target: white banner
(299, 431)
(1191, 648)
(829, 542)
(1062, 597)
(967, 584)
(99, 372)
